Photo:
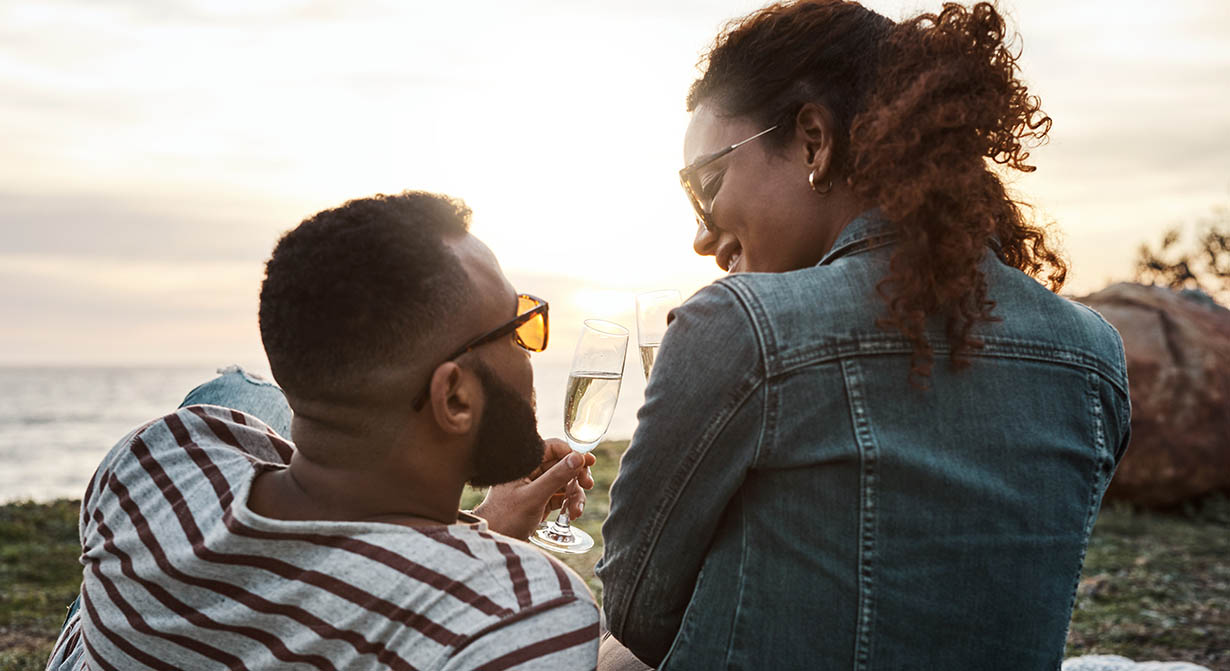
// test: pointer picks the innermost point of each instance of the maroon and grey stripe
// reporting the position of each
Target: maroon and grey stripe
(543, 648)
(395, 561)
(243, 596)
(197, 618)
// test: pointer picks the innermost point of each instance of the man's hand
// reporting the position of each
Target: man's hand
(516, 508)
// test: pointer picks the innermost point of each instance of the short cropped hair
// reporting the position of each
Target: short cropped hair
(359, 287)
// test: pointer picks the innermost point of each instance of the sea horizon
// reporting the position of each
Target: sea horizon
(57, 421)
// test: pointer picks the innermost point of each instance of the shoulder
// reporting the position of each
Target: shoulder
(1102, 337)
(193, 440)
(810, 307)
(1042, 314)
(521, 575)
(548, 618)
(1094, 324)
(209, 427)
(715, 327)
(722, 300)
(1031, 315)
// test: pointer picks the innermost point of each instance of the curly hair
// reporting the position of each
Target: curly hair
(359, 286)
(926, 110)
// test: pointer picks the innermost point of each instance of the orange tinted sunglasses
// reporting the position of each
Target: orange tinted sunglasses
(529, 329)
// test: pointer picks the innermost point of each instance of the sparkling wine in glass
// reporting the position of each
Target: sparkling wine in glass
(589, 405)
(651, 311)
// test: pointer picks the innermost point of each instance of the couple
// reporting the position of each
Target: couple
(878, 443)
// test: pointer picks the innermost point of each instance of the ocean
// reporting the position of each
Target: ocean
(56, 423)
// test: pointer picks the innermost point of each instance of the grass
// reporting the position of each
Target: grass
(597, 504)
(39, 577)
(1155, 586)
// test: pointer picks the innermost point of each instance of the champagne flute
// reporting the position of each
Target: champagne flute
(651, 311)
(589, 405)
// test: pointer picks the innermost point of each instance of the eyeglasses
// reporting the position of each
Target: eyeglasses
(702, 202)
(529, 329)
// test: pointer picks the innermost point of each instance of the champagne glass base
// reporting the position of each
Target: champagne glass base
(571, 541)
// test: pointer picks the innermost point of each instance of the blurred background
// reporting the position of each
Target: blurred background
(154, 150)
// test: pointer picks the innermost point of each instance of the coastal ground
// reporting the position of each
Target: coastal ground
(1155, 586)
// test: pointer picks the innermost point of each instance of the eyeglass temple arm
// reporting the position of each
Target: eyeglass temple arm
(741, 143)
(706, 160)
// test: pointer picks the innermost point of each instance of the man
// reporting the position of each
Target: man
(209, 540)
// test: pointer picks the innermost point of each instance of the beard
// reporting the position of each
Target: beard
(508, 446)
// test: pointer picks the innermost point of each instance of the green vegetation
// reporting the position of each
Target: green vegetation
(39, 578)
(1155, 586)
(597, 504)
(1204, 265)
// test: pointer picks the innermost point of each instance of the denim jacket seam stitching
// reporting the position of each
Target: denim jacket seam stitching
(797, 362)
(1096, 408)
(829, 353)
(1121, 363)
(734, 618)
(892, 341)
(758, 316)
(830, 259)
(692, 459)
(1113, 370)
(1095, 413)
(768, 425)
(874, 224)
(762, 326)
(865, 439)
(1125, 422)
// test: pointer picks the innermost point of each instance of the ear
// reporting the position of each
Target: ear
(815, 128)
(455, 398)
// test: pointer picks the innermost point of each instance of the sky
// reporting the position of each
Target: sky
(152, 151)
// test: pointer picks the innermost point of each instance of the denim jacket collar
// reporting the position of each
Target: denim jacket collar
(866, 231)
(870, 230)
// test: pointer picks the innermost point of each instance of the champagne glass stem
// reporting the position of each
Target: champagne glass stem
(593, 389)
(562, 519)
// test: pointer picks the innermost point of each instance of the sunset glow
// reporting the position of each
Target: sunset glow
(155, 151)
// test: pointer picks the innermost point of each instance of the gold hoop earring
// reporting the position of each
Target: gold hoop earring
(811, 179)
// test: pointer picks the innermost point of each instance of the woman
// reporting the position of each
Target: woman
(879, 443)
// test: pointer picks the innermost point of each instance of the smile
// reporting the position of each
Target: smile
(728, 256)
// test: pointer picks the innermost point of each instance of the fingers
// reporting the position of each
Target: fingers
(555, 478)
(576, 500)
(564, 474)
(586, 479)
(554, 449)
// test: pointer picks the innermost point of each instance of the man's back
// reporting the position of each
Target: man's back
(179, 573)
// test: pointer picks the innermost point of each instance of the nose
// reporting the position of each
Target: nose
(705, 242)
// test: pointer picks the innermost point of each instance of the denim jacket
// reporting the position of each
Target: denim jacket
(790, 501)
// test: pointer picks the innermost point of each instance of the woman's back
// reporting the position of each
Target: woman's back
(826, 514)
(793, 497)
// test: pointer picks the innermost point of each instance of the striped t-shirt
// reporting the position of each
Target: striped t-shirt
(180, 574)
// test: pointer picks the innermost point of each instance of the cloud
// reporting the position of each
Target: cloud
(118, 228)
(182, 137)
(85, 310)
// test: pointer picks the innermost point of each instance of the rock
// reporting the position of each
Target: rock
(1178, 356)
(1118, 663)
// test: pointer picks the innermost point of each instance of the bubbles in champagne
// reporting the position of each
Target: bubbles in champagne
(648, 354)
(588, 407)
